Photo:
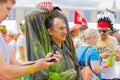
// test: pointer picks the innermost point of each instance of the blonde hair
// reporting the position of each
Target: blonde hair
(89, 33)
(3, 29)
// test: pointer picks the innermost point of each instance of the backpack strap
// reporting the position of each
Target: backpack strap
(87, 56)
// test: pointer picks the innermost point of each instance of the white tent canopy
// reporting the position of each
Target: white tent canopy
(11, 26)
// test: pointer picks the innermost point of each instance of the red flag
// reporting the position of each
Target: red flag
(78, 19)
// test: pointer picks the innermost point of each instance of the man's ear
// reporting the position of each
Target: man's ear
(49, 31)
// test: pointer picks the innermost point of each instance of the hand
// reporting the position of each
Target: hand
(43, 63)
(117, 56)
(55, 56)
(118, 52)
(105, 55)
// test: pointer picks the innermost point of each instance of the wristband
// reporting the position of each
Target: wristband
(31, 69)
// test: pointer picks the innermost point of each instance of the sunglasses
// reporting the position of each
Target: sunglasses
(103, 30)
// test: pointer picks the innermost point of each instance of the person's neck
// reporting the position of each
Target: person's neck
(104, 39)
(58, 43)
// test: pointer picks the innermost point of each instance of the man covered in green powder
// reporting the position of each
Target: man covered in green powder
(46, 29)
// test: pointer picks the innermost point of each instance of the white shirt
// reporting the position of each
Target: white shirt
(21, 41)
(78, 42)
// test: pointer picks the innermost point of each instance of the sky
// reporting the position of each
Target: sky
(72, 3)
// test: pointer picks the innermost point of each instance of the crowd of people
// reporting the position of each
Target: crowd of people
(103, 56)
(32, 53)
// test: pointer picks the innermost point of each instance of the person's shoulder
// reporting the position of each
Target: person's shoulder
(81, 49)
(93, 50)
(112, 38)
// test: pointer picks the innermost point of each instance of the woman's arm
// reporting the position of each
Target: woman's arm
(95, 65)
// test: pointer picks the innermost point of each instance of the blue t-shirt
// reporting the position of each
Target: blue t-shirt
(93, 54)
